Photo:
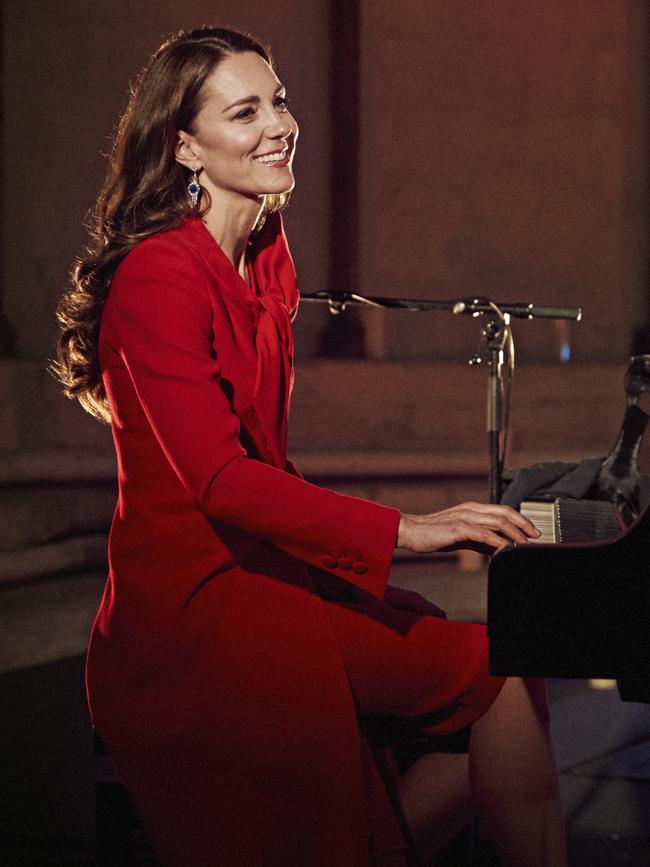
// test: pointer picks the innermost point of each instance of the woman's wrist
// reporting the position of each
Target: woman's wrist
(403, 532)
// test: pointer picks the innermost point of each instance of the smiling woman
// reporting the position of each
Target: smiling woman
(247, 637)
(241, 145)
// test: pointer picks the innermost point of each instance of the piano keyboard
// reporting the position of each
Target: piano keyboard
(567, 520)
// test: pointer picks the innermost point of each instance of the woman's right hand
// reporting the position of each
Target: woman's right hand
(483, 527)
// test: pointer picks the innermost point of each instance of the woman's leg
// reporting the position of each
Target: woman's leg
(514, 781)
(509, 778)
(436, 800)
(418, 668)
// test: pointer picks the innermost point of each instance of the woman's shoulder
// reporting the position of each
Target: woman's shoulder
(173, 248)
(164, 268)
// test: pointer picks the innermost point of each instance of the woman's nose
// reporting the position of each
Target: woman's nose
(281, 125)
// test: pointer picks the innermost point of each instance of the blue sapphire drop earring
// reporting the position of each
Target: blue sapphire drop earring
(194, 188)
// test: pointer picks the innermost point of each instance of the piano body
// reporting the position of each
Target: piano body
(581, 608)
(574, 610)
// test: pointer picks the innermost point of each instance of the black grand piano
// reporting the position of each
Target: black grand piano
(578, 609)
(574, 610)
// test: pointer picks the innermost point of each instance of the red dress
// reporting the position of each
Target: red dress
(227, 691)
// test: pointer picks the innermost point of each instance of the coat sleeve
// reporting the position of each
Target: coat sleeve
(158, 317)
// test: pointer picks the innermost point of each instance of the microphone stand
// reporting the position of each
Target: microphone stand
(495, 333)
(495, 337)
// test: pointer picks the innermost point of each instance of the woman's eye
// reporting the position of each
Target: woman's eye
(282, 102)
(244, 114)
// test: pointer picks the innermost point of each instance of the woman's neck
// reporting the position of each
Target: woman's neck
(231, 228)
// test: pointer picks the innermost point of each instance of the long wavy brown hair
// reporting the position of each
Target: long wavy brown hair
(145, 192)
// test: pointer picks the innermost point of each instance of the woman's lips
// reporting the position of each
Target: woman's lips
(274, 159)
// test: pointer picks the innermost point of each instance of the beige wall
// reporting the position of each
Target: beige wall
(504, 153)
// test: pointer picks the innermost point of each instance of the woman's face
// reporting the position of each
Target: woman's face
(243, 135)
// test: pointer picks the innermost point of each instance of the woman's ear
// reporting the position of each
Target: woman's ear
(184, 151)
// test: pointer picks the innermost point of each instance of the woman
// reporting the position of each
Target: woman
(246, 631)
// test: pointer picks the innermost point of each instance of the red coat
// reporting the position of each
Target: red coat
(213, 673)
